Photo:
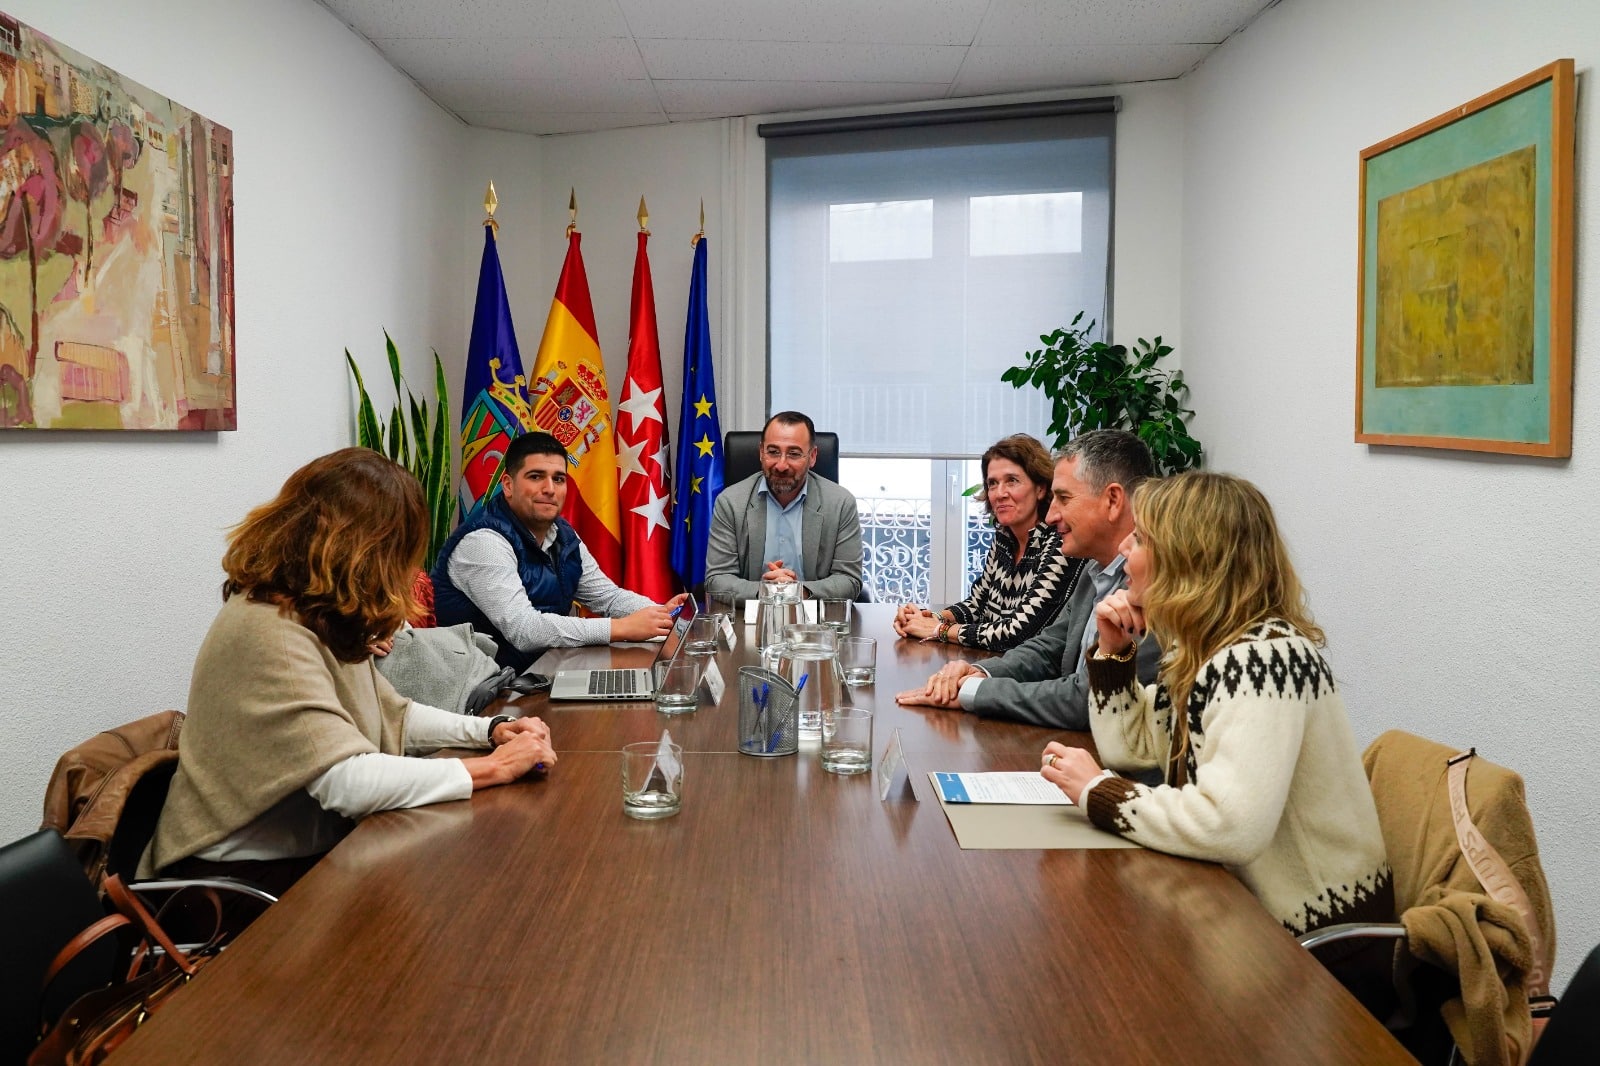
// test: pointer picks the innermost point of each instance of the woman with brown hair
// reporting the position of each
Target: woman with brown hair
(1025, 579)
(1261, 769)
(291, 732)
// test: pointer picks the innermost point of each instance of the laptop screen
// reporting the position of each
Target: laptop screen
(680, 628)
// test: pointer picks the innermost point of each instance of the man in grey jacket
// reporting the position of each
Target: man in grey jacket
(1043, 681)
(785, 523)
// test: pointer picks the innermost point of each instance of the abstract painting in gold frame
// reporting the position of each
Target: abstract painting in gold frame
(1465, 295)
(116, 249)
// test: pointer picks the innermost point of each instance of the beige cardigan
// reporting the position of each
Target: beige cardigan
(1450, 920)
(270, 710)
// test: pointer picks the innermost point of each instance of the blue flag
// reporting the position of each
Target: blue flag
(697, 474)
(494, 399)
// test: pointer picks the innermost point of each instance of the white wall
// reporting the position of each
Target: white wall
(1459, 592)
(344, 225)
(673, 167)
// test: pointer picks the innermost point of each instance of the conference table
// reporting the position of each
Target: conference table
(784, 915)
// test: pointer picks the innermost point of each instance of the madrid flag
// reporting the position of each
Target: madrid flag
(642, 479)
(570, 401)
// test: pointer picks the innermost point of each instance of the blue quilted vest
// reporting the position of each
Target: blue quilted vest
(550, 578)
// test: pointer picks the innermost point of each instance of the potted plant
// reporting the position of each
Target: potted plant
(1095, 385)
(417, 438)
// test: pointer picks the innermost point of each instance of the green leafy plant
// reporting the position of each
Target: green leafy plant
(1095, 385)
(418, 438)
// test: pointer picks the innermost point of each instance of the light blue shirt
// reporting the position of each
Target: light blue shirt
(1106, 582)
(784, 532)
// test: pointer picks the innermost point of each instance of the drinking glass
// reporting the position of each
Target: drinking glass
(847, 741)
(704, 634)
(835, 614)
(652, 779)
(678, 684)
(858, 660)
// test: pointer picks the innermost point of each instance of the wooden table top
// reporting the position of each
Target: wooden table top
(785, 915)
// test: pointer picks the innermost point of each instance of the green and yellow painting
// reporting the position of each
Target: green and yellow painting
(1456, 278)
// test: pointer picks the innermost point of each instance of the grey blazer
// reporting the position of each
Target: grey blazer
(830, 531)
(1038, 682)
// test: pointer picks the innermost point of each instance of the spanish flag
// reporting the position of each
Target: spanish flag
(570, 401)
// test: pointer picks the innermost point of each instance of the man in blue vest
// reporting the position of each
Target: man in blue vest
(514, 568)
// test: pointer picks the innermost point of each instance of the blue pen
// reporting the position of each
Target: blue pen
(802, 684)
(676, 611)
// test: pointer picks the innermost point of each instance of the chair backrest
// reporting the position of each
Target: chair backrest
(422, 592)
(1573, 1032)
(741, 455)
(46, 900)
(105, 794)
(1436, 888)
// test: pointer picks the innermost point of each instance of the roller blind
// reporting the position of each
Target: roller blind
(907, 267)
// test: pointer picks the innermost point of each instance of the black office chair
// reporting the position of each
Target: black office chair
(741, 455)
(1573, 1031)
(46, 899)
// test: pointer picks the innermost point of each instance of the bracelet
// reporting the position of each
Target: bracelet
(494, 723)
(1119, 657)
(944, 633)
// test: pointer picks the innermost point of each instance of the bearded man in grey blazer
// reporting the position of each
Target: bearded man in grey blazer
(785, 523)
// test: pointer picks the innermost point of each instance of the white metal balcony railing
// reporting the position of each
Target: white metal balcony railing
(896, 548)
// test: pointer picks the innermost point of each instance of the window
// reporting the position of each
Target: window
(907, 268)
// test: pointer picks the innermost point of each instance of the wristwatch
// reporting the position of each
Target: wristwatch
(494, 723)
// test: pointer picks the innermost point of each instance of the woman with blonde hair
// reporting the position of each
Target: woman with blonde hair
(291, 732)
(1261, 770)
(1025, 579)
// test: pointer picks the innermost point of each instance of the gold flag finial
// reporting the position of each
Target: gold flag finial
(644, 217)
(490, 202)
(572, 212)
(696, 238)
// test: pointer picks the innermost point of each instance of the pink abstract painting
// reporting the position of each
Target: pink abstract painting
(116, 249)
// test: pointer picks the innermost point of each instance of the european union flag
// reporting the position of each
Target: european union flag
(697, 474)
(494, 399)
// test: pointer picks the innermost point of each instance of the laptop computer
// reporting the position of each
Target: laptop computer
(625, 684)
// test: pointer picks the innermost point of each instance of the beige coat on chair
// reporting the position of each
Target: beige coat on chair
(1451, 922)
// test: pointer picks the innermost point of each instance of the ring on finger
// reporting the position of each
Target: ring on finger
(1050, 760)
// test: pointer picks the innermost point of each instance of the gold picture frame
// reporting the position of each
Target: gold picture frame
(1465, 275)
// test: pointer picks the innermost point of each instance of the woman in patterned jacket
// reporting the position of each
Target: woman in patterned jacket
(1261, 769)
(1026, 579)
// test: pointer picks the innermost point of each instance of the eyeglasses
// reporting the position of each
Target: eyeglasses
(794, 455)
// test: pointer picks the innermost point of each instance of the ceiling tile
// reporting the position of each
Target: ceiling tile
(766, 97)
(875, 21)
(480, 18)
(438, 59)
(561, 121)
(544, 94)
(1080, 22)
(1004, 70)
(799, 61)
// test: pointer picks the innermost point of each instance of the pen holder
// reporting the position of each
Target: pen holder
(767, 722)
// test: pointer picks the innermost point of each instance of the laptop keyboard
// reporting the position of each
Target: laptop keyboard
(614, 683)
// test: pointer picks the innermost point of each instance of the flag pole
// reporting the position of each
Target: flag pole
(572, 211)
(696, 238)
(643, 217)
(490, 202)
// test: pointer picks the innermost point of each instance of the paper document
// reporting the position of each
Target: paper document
(1020, 787)
(807, 607)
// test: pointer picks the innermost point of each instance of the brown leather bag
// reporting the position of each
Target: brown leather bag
(98, 1023)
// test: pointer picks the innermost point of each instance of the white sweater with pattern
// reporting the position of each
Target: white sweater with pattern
(1271, 786)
